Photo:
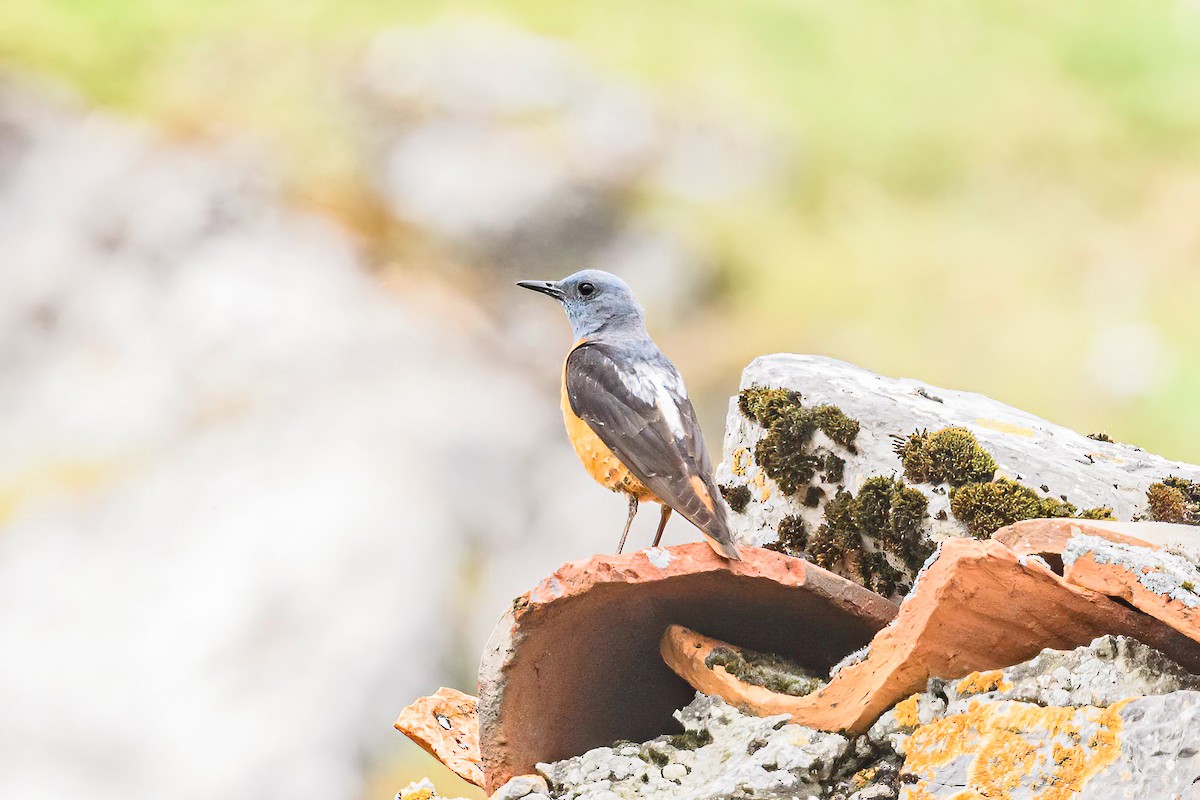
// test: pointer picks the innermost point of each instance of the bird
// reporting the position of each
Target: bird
(627, 412)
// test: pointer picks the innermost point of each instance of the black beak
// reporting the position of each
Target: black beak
(545, 287)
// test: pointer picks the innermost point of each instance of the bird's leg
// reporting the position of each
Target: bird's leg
(662, 524)
(628, 522)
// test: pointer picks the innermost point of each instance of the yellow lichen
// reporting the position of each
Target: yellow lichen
(907, 712)
(741, 461)
(863, 777)
(1004, 427)
(764, 491)
(983, 682)
(1019, 744)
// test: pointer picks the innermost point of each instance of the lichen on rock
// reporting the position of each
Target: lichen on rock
(1063, 725)
(726, 754)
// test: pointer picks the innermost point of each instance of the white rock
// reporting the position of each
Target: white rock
(1036, 453)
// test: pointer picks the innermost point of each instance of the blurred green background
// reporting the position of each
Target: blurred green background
(995, 196)
(1001, 196)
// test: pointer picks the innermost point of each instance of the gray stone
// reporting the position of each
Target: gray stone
(1030, 450)
(1110, 669)
(1148, 751)
(877, 792)
(747, 757)
(531, 786)
(1160, 752)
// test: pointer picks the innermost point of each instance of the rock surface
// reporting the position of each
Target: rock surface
(445, 724)
(722, 753)
(1093, 723)
(1110, 669)
(1052, 461)
(1138, 748)
(1017, 607)
(575, 663)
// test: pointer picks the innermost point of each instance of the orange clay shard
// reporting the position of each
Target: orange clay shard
(446, 726)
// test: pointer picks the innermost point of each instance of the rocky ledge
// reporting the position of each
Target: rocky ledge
(1112, 719)
(1047, 644)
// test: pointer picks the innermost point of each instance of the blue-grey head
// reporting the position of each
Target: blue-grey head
(595, 302)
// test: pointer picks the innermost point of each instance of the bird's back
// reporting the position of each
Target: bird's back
(633, 400)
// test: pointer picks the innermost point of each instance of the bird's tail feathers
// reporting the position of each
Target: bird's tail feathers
(719, 535)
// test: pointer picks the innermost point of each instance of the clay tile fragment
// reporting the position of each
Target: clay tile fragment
(575, 663)
(977, 607)
(687, 653)
(1049, 537)
(1161, 584)
(446, 726)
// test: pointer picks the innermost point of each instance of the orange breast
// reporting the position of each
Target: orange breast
(599, 461)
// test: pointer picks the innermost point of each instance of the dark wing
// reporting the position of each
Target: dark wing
(635, 402)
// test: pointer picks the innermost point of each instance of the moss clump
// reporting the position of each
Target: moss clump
(987, 507)
(656, 755)
(813, 496)
(793, 537)
(835, 468)
(1174, 500)
(885, 511)
(738, 497)
(1103, 512)
(834, 423)
(763, 405)
(878, 574)
(778, 674)
(784, 451)
(951, 455)
(1100, 436)
(690, 740)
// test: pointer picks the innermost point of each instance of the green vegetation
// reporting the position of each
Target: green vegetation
(690, 740)
(951, 455)
(785, 451)
(779, 674)
(738, 497)
(1174, 500)
(987, 507)
(793, 537)
(885, 512)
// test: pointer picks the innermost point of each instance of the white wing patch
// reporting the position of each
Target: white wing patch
(657, 387)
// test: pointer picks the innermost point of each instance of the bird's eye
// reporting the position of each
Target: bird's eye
(586, 290)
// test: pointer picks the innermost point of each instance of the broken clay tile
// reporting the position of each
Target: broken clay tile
(977, 607)
(686, 652)
(575, 663)
(446, 726)
(1049, 537)
(1158, 583)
